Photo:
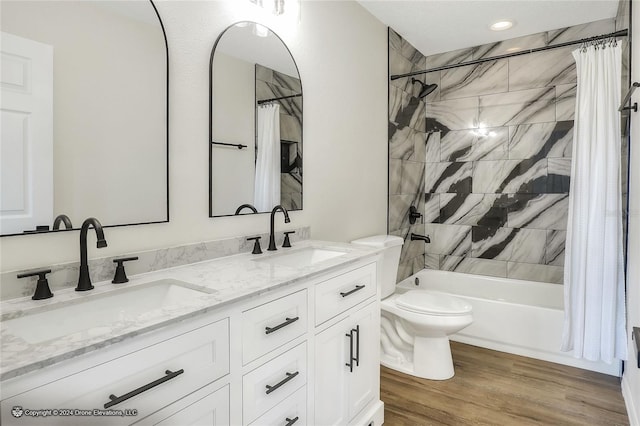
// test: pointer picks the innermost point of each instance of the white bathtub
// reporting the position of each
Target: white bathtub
(520, 317)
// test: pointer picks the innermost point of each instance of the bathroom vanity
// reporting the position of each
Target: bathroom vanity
(286, 338)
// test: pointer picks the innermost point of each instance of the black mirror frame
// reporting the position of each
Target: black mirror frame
(210, 142)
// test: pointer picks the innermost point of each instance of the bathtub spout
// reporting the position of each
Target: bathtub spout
(418, 237)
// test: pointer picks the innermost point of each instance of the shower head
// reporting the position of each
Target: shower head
(426, 88)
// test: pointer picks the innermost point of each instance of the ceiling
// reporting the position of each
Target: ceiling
(436, 26)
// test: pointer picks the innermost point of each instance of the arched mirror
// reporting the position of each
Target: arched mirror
(255, 144)
(84, 114)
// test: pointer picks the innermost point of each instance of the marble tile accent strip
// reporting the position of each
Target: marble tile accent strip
(448, 177)
(559, 175)
(432, 208)
(432, 152)
(531, 272)
(544, 211)
(565, 102)
(554, 253)
(540, 140)
(508, 109)
(453, 114)
(475, 144)
(395, 176)
(510, 176)
(520, 245)
(472, 209)
(577, 32)
(432, 261)
(65, 275)
(412, 178)
(448, 58)
(448, 239)
(511, 45)
(542, 69)
(467, 265)
(474, 80)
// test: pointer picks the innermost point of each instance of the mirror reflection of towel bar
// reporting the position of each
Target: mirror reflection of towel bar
(236, 145)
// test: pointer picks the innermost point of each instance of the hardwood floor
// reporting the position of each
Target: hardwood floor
(495, 388)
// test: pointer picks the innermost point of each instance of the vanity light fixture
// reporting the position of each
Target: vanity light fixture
(501, 25)
(260, 30)
(289, 8)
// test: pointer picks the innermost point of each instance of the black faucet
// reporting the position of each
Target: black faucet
(62, 218)
(246, 206)
(272, 239)
(84, 280)
(424, 238)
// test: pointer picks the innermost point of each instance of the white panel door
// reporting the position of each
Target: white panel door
(26, 127)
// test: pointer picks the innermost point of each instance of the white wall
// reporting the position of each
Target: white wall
(631, 377)
(342, 55)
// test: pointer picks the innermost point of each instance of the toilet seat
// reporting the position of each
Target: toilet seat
(432, 303)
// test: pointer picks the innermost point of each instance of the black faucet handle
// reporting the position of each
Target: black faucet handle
(287, 242)
(42, 287)
(256, 247)
(121, 275)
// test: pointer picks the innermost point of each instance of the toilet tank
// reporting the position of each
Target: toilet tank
(392, 246)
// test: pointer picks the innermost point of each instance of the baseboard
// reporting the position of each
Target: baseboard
(633, 411)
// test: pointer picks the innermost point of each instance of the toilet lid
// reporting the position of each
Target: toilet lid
(431, 302)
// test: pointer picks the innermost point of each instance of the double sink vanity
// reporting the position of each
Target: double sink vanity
(287, 337)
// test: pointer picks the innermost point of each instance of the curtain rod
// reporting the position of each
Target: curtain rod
(621, 33)
(277, 99)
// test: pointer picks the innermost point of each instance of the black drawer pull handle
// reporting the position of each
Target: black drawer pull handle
(269, 330)
(290, 376)
(350, 363)
(291, 421)
(357, 358)
(358, 287)
(118, 399)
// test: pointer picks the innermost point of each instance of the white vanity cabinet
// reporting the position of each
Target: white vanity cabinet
(302, 354)
(126, 384)
(346, 367)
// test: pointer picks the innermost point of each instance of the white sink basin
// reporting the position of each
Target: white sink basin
(96, 314)
(301, 258)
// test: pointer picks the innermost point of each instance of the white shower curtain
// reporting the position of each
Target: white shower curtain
(267, 180)
(594, 325)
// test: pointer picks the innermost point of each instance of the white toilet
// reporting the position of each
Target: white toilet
(415, 325)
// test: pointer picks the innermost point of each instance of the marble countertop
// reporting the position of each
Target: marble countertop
(222, 281)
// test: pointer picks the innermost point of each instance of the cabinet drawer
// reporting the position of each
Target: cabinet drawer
(273, 324)
(273, 382)
(212, 409)
(344, 291)
(175, 367)
(292, 411)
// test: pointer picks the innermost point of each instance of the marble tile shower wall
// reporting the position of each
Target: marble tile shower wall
(407, 152)
(273, 84)
(497, 149)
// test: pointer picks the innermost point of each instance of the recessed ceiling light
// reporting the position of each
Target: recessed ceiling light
(501, 25)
